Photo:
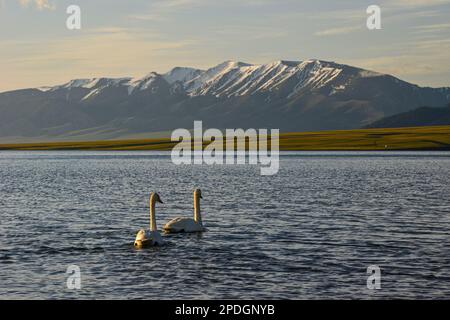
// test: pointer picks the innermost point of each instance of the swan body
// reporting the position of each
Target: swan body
(147, 238)
(152, 237)
(178, 225)
(188, 225)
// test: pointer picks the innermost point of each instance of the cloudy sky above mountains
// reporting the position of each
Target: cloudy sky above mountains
(130, 38)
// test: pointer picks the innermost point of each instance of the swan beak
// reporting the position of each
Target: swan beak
(159, 200)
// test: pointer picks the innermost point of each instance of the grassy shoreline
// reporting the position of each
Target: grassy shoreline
(417, 138)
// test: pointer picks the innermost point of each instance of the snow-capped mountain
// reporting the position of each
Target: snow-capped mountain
(231, 78)
(290, 95)
(238, 79)
(182, 74)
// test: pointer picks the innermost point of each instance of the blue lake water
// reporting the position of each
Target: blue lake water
(309, 232)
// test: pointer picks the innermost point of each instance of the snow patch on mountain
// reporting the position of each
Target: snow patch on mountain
(44, 89)
(181, 74)
(76, 83)
(97, 85)
(200, 84)
(142, 83)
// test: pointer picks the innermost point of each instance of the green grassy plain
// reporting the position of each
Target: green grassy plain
(418, 138)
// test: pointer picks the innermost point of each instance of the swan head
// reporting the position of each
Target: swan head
(198, 193)
(155, 196)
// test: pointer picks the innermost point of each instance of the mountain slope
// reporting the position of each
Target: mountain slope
(292, 96)
(423, 116)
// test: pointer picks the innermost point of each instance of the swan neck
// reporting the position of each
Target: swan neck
(152, 214)
(197, 215)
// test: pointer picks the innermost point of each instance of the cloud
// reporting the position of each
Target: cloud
(432, 28)
(160, 10)
(416, 61)
(40, 4)
(174, 4)
(147, 17)
(338, 31)
(255, 32)
(418, 3)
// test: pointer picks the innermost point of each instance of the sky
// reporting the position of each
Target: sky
(132, 38)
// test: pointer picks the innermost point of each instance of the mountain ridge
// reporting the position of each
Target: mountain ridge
(308, 95)
(188, 76)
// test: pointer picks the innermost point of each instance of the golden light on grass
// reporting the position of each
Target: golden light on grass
(418, 138)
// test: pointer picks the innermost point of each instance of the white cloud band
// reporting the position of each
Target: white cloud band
(40, 4)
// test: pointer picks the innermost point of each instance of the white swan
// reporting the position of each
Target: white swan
(148, 238)
(187, 224)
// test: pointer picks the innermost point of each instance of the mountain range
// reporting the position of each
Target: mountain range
(307, 95)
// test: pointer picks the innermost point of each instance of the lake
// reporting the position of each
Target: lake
(309, 232)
